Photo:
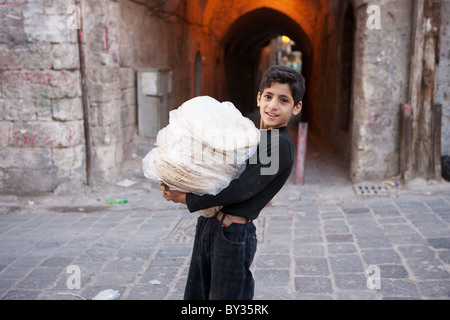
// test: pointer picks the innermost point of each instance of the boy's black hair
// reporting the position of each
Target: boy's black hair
(282, 74)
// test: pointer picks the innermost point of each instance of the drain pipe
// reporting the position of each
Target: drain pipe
(85, 101)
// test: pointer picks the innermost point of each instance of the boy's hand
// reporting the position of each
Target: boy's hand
(175, 196)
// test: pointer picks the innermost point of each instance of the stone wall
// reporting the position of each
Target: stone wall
(41, 117)
(443, 81)
(42, 133)
(381, 78)
(144, 43)
(101, 43)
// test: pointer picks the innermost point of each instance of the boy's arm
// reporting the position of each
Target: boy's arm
(249, 183)
(238, 190)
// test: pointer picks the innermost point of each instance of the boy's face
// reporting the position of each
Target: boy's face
(276, 106)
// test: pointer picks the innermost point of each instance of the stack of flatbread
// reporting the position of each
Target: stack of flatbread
(204, 147)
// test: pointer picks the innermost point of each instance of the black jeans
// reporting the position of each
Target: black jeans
(220, 263)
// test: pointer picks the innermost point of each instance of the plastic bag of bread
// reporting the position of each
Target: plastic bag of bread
(204, 147)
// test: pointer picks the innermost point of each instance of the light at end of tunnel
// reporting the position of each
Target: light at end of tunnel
(285, 39)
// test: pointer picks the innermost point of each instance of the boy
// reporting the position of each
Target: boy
(225, 245)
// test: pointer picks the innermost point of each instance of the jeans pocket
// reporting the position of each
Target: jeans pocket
(234, 234)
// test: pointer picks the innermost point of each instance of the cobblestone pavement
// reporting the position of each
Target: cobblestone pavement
(317, 241)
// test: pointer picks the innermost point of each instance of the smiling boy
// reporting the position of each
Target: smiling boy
(224, 246)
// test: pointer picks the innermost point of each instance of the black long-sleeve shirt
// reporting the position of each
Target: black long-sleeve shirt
(247, 195)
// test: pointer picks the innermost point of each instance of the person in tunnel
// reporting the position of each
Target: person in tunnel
(224, 246)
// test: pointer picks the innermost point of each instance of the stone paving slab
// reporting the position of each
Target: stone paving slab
(314, 243)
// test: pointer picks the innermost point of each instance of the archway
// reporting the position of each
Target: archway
(243, 35)
(242, 45)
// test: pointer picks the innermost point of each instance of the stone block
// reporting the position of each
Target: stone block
(129, 133)
(108, 112)
(393, 271)
(66, 134)
(25, 158)
(5, 133)
(124, 115)
(12, 24)
(416, 252)
(18, 109)
(68, 159)
(146, 292)
(128, 53)
(428, 269)
(128, 115)
(40, 84)
(354, 281)
(30, 135)
(103, 74)
(25, 56)
(119, 157)
(65, 56)
(57, 7)
(103, 92)
(272, 277)
(313, 285)
(102, 136)
(440, 243)
(48, 28)
(45, 106)
(399, 288)
(93, 114)
(127, 78)
(311, 266)
(68, 110)
(104, 157)
(436, 290)
(380, 256)
(348, 263)
(129, 97)
(338, 238)
(47, 134)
